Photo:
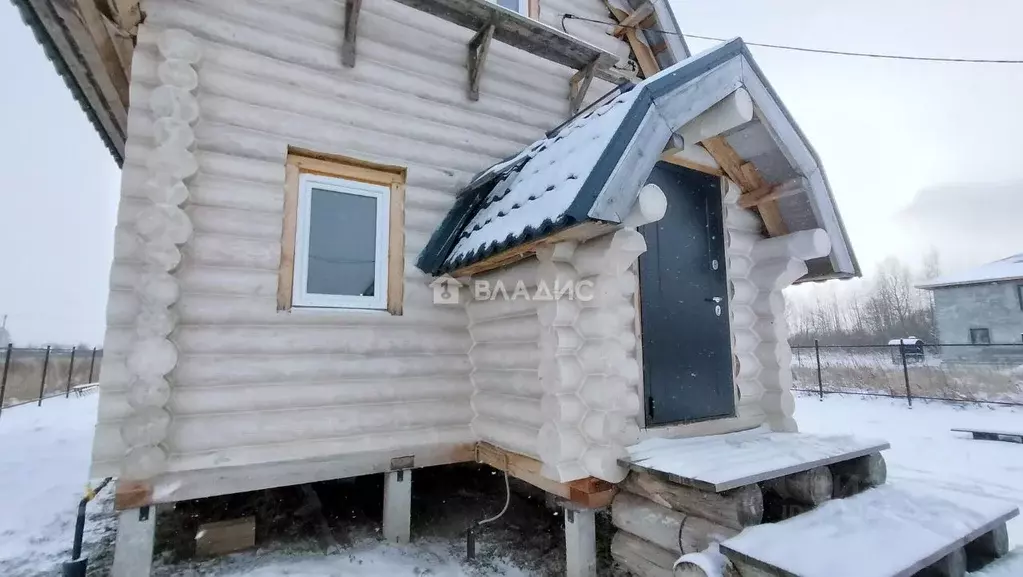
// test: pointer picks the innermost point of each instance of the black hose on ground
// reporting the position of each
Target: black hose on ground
(76, 567)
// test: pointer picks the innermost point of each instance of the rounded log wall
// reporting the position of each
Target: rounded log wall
(254, 386)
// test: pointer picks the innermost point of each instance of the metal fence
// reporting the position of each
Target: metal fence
(990, 373)
(32, 375)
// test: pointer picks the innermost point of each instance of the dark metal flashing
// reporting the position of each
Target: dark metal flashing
(42, 36)
(671, 79)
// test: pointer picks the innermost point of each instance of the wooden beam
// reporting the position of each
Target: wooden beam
(352, 8)
(132, 495)
(748, 178)
(634, 20)
(580, 232)
(534, 9)
(479, 46)
(589, 492)
(671, 156)
(770, 193)
(644, 56)
(578, 85)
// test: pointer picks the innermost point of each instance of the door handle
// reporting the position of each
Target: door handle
(714, 300)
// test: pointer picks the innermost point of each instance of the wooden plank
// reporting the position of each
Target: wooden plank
(578, 85)
(889, 531)
(289, 231)
(176, 486)
(479, 47)
(769, 193)
(345, 167)
(352, 8)
(751, 456)
(644, 12)
(224, 537)
(396, 250)
(522, 32)
(993, 435)
(534, 9)
(589, 493)
(644, 56)
(579, 232)
(671, 157)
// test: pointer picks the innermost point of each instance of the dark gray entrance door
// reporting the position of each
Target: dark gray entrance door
(687, 352)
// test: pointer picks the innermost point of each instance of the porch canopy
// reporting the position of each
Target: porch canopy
(583, 178)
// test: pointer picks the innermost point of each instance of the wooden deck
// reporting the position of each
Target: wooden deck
(993, 435)
(889, 531)
(723, 462)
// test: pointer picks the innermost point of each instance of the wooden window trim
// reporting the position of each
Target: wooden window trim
(301, 161)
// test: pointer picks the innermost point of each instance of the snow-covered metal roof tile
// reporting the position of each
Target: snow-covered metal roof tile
(536, 194)
(591, 168)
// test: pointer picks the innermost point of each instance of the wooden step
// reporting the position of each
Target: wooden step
(722, 462)
(895, 530)
(993, 435)
(1009, 566)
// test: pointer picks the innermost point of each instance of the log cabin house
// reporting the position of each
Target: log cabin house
(300, 178)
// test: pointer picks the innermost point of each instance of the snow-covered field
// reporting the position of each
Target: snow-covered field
(44, 455)
(923, 447)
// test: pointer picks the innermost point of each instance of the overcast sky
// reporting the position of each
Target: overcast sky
(895, 137)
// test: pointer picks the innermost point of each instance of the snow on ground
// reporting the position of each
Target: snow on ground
(434, 557)
(923, 447)
(44, 466)
(44, 459)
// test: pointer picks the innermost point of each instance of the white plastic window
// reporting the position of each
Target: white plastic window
(520, 6)
(341, 244)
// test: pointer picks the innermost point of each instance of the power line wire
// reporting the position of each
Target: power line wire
(814, 50)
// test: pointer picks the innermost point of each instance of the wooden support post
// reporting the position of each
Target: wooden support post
(811, 487)
(738, 508)
(578, 85)
(398, 506)
(988, 547)
(352, 8)
(479, 46)
(951, 565)
(133, 549)
(580, 542)
(858, 475)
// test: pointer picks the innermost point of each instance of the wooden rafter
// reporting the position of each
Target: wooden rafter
(769, 193)
(479, 46)
(640, 18)
(589, 492)
(352, 8)
(746, 175)
(671, 156)
(578, 85)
